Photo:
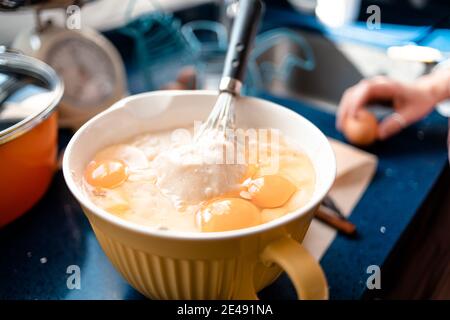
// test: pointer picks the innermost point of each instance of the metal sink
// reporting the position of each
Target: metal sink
(309, 66)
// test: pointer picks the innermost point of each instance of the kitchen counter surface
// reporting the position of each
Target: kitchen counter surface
(409, 166)
(37, 249)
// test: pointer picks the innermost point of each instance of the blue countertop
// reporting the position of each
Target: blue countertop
(36, 250)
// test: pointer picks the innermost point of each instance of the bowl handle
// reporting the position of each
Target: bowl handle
(304, 271)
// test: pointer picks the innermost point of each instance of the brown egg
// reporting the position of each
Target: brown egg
(174, 86)
(187, 77)
(361, 130)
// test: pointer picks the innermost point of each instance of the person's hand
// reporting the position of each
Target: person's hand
(411, 102)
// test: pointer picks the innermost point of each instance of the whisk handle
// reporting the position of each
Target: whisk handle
(241, 43)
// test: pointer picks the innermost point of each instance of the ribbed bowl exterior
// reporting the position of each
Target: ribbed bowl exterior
(169, 268)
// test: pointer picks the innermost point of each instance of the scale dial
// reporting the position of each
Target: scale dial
(87, 72)
(89, 65)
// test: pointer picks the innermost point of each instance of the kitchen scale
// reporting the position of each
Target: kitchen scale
(90, 66)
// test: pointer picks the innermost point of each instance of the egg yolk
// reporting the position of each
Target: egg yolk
(228, 214)
(270, 191)
(118, 209)
(250, 173)
(106, 173)
(248, 176)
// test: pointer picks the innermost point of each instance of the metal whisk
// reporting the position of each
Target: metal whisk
(243, 34)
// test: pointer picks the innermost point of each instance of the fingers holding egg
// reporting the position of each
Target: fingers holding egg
(361, 129)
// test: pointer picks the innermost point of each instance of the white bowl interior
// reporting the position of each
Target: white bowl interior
(155, 111)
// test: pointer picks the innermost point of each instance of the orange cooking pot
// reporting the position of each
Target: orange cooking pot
(29, 93)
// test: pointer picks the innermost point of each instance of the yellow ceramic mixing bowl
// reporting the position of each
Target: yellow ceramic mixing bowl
(186, 265)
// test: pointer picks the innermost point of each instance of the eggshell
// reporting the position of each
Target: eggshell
(362, 129)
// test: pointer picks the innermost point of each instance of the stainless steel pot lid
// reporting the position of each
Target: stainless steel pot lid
(29, 92)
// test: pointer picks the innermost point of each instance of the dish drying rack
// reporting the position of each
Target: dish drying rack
(163, 47)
